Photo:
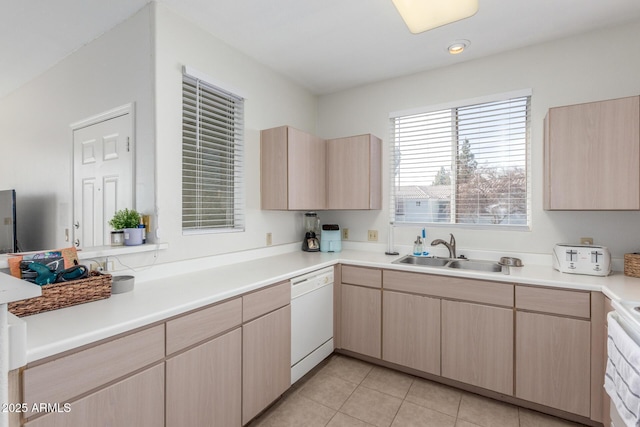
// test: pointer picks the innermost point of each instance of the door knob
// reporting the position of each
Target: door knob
(76, 225)
(77, 243)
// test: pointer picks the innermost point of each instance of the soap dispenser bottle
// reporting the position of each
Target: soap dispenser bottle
(424, 243)
(417, 246)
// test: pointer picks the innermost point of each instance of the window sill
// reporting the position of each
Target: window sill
(105, 251)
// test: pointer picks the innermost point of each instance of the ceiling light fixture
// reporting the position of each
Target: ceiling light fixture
(423, 15)
(458, 46)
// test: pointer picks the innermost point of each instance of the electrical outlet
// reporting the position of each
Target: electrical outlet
(269, 239)
(102, 266)
(345, 234)
(586, 240)
(373, 235)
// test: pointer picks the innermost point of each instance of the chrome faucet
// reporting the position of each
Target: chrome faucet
(451, 245)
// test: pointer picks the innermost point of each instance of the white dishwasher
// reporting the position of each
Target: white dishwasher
(311, 320)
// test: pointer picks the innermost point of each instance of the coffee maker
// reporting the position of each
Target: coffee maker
(311, 225)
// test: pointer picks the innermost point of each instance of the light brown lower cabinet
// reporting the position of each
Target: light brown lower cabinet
(203, 384)
(216, 366)
(411, 331)
(266, 361)
(135, 401)
(477, 345)
(360, 321)
(553, 365)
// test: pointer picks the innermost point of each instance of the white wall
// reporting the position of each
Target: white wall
(113, 70)
(271, 100)
(141, 61)
(599, 65)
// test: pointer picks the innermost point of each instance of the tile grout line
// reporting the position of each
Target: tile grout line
(349, 369)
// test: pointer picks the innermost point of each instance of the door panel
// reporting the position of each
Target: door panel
(87, 213)
(103, 177)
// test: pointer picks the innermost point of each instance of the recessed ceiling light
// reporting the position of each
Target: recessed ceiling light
(458, 46)
(423, 15)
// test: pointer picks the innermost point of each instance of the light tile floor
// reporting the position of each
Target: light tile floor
(345, 392)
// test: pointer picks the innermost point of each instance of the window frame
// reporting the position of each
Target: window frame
(232, 168)
(461, 104)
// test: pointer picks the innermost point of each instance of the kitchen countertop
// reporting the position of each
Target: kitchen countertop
(175, 292)
(13, 289)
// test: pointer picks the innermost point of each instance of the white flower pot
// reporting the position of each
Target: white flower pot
(133, 236)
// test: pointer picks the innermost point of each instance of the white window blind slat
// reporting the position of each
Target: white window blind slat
(462, 164)
(212, 158)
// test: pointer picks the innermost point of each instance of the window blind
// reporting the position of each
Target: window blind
(462, 165)
(212, 158)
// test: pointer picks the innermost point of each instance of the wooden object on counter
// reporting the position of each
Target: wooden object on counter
(632, 265)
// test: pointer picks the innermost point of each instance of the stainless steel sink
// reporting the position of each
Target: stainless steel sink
(477, 265)
(421, 260)
(462, 264)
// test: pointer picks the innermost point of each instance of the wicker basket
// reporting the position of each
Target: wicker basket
(632, 265)
(64, 294)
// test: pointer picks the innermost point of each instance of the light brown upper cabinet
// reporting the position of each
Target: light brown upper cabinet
(299, 171)
(354, 172)
(592, 156)
(292, 170)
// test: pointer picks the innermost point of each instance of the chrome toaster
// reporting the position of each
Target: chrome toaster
(582, 259)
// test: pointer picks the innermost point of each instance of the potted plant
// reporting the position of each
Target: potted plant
(126, 221)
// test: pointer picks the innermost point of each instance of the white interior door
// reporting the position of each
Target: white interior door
(102, 178)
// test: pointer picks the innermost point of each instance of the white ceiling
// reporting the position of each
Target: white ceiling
(326, 45)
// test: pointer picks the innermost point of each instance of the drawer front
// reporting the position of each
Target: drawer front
(370, 277)
(135, 401)
(265, 300)
(456, 288)
(203, 324)
(554, 301)
(77, 373)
